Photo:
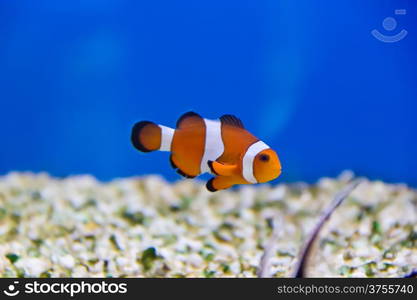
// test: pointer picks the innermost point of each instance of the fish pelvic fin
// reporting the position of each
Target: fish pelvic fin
(219, 183)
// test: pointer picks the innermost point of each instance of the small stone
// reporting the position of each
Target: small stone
(67, 261)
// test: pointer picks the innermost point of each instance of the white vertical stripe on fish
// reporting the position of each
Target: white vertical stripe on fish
(214, 146)
(166, 138)
(248, 158)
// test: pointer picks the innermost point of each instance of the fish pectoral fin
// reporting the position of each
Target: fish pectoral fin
(219, 183)
(222, 169)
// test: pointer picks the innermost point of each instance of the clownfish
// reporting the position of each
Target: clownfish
(222, 147)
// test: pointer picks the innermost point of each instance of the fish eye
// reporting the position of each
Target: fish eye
(264, 157)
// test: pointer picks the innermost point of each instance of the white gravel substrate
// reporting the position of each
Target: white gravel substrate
(146, 227)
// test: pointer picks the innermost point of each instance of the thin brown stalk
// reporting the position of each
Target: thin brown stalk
(265, 263)
(300, 270)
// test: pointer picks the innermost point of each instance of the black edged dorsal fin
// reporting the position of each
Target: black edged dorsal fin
(232, 121)
(182, 121)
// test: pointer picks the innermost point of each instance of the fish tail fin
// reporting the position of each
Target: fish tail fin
(148, 136)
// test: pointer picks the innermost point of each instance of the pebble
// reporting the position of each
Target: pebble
(145, 227)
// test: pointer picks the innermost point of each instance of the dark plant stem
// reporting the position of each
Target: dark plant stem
(305, 253)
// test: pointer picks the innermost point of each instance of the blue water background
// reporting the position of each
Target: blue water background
(307, 77)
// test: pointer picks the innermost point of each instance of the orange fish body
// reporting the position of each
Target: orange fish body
(222, 147)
